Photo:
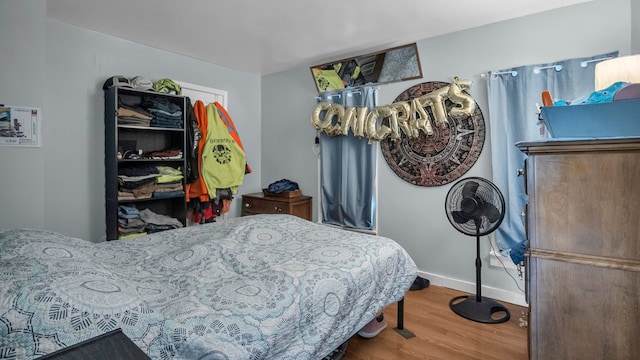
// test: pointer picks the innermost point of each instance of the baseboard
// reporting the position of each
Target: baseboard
(469, 287)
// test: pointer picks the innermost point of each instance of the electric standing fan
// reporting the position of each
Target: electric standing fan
(475, 207)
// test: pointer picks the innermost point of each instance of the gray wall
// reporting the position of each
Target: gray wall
(635, 26)
(61, 68)
(22, 82)
(412, 215)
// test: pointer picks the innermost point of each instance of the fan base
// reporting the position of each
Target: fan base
(479, 311)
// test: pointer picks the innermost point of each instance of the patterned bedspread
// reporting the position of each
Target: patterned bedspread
(256, 287)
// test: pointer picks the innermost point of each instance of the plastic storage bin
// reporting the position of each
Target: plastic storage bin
(613, 119)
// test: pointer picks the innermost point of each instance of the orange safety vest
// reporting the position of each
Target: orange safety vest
(223, 159)
(231, 128)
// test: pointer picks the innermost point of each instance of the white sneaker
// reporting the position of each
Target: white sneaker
(373, 328)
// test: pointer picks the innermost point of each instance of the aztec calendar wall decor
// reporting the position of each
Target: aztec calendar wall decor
(443, 156)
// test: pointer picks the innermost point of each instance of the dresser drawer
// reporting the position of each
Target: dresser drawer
(264, 206)
(258, 203)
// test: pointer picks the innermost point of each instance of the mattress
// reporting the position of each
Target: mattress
(254, 287)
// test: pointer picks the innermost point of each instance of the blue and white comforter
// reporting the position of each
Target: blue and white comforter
(257, 287)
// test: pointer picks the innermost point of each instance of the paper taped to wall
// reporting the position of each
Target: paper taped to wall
(20, 126)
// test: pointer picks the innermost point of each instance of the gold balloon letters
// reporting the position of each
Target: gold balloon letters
(407, 116)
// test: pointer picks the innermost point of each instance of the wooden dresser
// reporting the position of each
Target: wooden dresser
(583, 260)
(259, 203)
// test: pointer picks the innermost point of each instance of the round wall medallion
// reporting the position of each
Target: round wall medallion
(440, 158)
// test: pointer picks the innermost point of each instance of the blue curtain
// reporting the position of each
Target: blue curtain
(348, 168)
(513, 94)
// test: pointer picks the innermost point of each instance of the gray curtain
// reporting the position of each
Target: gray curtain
(348, 168)
(513, 94)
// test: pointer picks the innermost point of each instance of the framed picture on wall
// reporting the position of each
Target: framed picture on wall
(391, 65)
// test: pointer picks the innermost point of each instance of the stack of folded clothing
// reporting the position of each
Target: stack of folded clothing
(165, 113)
(137, 182)
(169, 154)
(158, 222)
(131, 112)
(169, 183)
(133, 222)
(129, 222)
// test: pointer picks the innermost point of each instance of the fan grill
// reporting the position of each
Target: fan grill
(475, 206)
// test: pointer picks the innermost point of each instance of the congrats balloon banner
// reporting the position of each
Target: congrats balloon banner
(402, 118)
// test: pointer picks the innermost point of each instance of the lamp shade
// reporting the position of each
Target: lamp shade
(625, 68)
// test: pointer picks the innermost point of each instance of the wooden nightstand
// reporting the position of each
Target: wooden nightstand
(259, 203)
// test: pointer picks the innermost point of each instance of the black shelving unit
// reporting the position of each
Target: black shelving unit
(120, 138)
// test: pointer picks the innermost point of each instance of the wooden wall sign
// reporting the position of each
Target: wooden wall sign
(444, 155)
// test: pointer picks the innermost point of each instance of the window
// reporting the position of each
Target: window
(513, 95)
(348, 170)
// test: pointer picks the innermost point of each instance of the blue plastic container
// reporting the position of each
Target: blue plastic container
(612, 119)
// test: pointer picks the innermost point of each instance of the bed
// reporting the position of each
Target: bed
(254, 287)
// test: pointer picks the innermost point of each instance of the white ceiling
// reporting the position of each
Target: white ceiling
(269, 36)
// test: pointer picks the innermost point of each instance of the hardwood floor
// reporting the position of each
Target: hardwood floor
(442, 334)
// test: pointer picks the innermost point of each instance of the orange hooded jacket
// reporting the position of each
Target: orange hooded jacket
(198, 188)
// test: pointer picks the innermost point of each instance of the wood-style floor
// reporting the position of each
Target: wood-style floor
(442, 334)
